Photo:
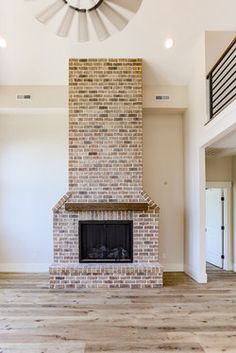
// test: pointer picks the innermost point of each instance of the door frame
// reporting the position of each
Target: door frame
(228, 241)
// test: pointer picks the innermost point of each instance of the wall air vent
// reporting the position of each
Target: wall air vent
(23, 97)
(162, 97)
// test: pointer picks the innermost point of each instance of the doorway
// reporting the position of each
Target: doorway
(218, 225)
(215, 232)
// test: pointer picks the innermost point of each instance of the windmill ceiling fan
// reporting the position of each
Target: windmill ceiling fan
(87, 14)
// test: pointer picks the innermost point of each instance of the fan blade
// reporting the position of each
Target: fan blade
(66, 22)
(98, 25)
(131, 5)
(83, 27)
(51, 11)
(113, 16)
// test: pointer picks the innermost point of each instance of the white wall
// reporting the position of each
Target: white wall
(177, 94)
(33, 164)
(41, 96)
(219, 169)
(163, 180)
(197, 137)
(195, 117)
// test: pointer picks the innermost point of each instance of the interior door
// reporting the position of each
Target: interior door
(214, 223)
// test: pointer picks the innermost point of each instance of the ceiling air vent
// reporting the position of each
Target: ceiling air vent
(162, 97)
(23, 97)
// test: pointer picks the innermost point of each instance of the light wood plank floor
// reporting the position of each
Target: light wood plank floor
(182, 317)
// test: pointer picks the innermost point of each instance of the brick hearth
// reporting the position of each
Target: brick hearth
(105, 168)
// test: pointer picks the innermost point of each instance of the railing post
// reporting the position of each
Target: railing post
(210, 96)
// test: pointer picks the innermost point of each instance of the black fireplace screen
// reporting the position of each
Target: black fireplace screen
(106, 241)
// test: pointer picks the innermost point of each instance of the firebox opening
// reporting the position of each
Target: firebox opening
(106, 241)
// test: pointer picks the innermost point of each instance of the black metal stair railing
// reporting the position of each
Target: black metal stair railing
(222, 81)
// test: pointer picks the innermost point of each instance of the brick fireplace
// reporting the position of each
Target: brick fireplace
(105, 182)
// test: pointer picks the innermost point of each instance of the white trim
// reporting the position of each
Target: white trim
(34, 111)
(202, 218)
(220, 126)
(219, 184)
(195, 275)
(173, 267)
(227, 187)
(24, 267)
(234, 267)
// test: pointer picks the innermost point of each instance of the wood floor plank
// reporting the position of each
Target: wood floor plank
(71, 347)
(181, 317)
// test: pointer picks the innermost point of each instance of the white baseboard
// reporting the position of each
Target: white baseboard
(198, 277)
(24, 267)
(173, 267)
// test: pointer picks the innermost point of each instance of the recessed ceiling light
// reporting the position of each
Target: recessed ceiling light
(169, 43)
(3, 43)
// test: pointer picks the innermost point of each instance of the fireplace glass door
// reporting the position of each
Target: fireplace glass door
(106, 241)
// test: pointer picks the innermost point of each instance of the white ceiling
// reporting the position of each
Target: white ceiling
(36, 56)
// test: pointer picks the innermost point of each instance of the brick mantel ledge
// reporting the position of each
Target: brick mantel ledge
(149, 204)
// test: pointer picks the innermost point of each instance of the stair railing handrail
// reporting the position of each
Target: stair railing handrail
(222, 80)
(222, 57)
